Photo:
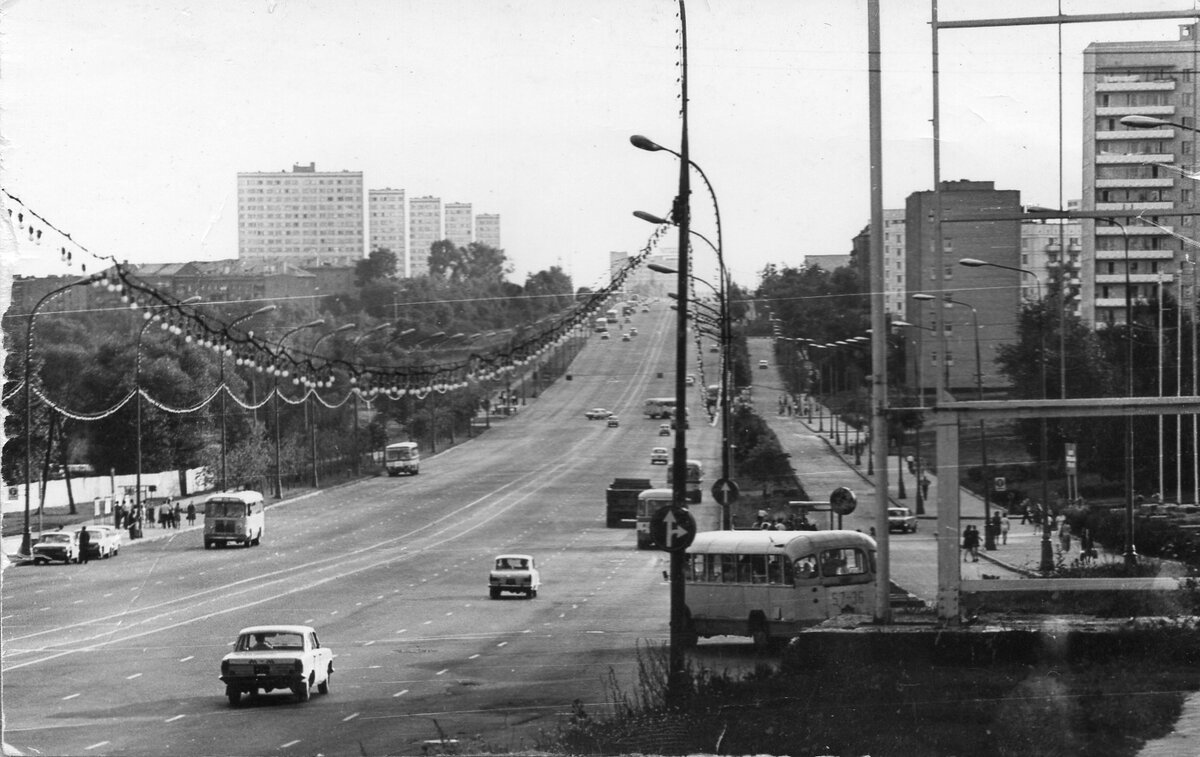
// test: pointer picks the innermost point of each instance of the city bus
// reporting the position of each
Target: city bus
(601, 325)
(234, 518)
(648, 503)
(769, 585)
(402, 457)
(611, 316)
(694, 479)
(659, 407)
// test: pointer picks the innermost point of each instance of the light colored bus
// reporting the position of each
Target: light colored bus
(402, 457)
(601, 325)
(771, 584)
(611, 316)
(234, 518)
(648, 503)
(694, 479)
(659, 407)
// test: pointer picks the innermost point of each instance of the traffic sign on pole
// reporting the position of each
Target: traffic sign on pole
(725, 491)
(672, 529)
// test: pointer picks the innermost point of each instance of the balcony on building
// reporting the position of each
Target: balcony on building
(1154, 82)
(1160, 111)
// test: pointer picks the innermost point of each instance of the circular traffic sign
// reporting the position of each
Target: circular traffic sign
(672, 528)
(842, 501)
(725, 491)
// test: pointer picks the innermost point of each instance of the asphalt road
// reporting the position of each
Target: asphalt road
(121, 657)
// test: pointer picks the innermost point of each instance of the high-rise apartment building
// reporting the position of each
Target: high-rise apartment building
(487, 229)
(387, 218)
(306, 217)
(988, 297)
(460, 223)
(1042, 244)
(894, 262)
(1137, 174)
(424, 228)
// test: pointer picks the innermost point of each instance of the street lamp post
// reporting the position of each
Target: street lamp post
(26, 535)
(355, 389)
(989, 533)
(920, 404)
(275, 402)
(137, 386)
(224, 391)
(312, 391)
(1046, 563)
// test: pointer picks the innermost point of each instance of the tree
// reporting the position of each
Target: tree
(380, 264)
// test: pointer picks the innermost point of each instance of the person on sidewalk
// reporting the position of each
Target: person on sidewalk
(1004, 528)
(970, 544)
(85, 543)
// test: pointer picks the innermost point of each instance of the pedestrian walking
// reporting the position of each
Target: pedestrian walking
(970, 543)
(85, 543)
(191, 513)
(149, 515)
(925, 487)
(1064, 536)
(1004, 528)
(1026, 516)
(175, 513)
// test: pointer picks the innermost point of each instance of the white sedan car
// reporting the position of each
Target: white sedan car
(660, 456)
(265, 658)
(517, 574)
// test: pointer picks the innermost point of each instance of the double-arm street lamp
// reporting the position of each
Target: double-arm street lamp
(278, 368)
(313, 429)
(137, 386)
(224, 349)
(989, 533)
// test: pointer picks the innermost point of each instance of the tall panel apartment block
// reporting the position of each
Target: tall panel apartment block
(306, 217)
(424, 228)
(1132, 172)
(388, 219)
(487, 229)
(459, 223)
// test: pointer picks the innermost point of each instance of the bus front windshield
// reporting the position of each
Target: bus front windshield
(404, 453)
(225, 509)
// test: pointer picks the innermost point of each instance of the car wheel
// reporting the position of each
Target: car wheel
(37, 561)
(301, 691)
(323, 686)
(494, 593)
(532, 593)
(234, 695)
(207, 544)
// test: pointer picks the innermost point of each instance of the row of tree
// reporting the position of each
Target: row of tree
(87, 363)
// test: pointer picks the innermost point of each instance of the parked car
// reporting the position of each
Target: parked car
(763, 364)
(659, 456)
(613, 421)
(103, 542)
(625, 337)
(901, 519)
(664, 429)
(57, 546)
(517, 574)
(266, 658)
(597, 414)
(691, 379)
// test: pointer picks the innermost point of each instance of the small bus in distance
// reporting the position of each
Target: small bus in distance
(769, 585)
(611, 316)
(402, 457)
(234, 518)
(601, 325)
(659, 407)
(647, 504)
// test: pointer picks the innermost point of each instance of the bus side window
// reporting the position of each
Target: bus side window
(758, 568)
(729, 569)
(713, 571)
(832, 563)
(806, 567)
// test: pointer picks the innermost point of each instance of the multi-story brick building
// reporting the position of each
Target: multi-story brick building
(424, 228)
(388, 224)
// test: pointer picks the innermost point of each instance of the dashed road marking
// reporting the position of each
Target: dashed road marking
(400, 693)
(350, 717)
(442, 671)
(290, 743)
(135, 675)
(177, 717)
(189, 657)
(472, 657)
(97, 745)
(70, 696)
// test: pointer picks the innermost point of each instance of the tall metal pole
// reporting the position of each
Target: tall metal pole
(224, 390)
(879, 382)
(275, 403)
(681, 216)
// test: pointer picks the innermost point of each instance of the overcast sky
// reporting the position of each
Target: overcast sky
(125, 122)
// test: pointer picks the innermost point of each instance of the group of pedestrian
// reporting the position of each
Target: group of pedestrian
(132, 517)
(970, 543)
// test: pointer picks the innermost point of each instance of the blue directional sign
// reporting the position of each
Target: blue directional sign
(672, 528)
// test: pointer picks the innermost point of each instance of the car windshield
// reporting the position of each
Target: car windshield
(251, 642)
(511, 563)
(56, 539)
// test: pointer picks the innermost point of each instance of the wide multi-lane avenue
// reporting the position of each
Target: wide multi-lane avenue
(122, 656)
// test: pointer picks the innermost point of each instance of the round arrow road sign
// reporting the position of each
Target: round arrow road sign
(725, 491)
(672, 529)
(842, 501)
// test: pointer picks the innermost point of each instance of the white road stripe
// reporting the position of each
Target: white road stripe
(70, 696)
(290, 743)
(97, 745)
(400, 693)
(177, 717)
(135, 675)
(350, 717)
(189, 657)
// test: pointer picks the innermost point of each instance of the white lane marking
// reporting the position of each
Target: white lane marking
(290, 743)
(177, 717)
(135, 675)
(402, 630)
(400, 693)
(308, 622)
(502, 644)
(97, 745)
(369, 643)
(189, 657)
(427, 622)
(472, 657)
(350, 717)
(442, 671)
(70, 696)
